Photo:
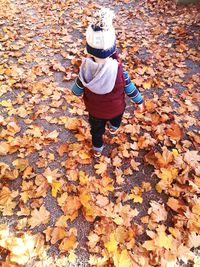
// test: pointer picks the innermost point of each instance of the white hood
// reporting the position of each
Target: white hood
(99, 78)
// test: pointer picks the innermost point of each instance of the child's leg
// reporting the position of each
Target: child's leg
(97, 131)
(115, 123)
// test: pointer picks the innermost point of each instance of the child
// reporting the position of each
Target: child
(102, 80)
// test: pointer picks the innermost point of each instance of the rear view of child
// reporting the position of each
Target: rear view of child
(102, 80)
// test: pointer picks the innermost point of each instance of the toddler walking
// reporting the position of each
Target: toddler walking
(102, 80)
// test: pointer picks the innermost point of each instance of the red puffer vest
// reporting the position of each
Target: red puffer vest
(109, 105)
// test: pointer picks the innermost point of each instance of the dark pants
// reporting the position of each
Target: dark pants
(98, 128)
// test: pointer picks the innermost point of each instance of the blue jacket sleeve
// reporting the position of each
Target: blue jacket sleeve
(131, 90)
(78, 88)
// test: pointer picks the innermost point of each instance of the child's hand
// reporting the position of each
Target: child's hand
(140, 108)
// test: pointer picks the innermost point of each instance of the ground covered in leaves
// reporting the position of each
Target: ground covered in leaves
(139, 204)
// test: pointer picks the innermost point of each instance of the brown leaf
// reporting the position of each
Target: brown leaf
(176, 205)
(159, 160)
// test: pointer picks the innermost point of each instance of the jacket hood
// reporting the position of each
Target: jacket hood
(99, 78)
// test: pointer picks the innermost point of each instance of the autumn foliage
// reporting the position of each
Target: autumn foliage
(138, 205)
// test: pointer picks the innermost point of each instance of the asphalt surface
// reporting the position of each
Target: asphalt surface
(36, 19)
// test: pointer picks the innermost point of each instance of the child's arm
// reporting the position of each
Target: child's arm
(133, 92)
(78, 88)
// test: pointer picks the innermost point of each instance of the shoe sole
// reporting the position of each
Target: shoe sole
(113, 132)
(97, 155)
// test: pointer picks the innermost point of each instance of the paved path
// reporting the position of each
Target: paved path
(40, 36)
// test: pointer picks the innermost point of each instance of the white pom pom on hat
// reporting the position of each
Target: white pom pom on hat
(100, 35)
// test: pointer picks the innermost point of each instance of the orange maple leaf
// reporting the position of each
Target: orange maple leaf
(62, 149)
(40, 216)
(68, 243)
(175, 132)
(58, 233)
(101, 167)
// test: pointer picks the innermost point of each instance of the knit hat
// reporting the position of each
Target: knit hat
(100, 35)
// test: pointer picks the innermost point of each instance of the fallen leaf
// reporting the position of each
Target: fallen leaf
(68, 243)
(101, 201)
(63, 149)
(38, 217)
(175, 132)
(112, 244)
(57, 234)
(72, 257)
(4, 148)
(55, 188)
(101, 167)
(122, 259)
(175, 204)
(157, 212)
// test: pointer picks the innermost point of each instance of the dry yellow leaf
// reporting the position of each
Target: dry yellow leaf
(51, 175)
(83, 178)
(97, 261)
(6, 103)
(196, 209)
(55, 188)
(72, 257)
(62, 199)
(118, 220)
(147, 84)
(167, 175)
(149, 245)
(136, 198)
(122, 259)
(112, 244)
(163, 240)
